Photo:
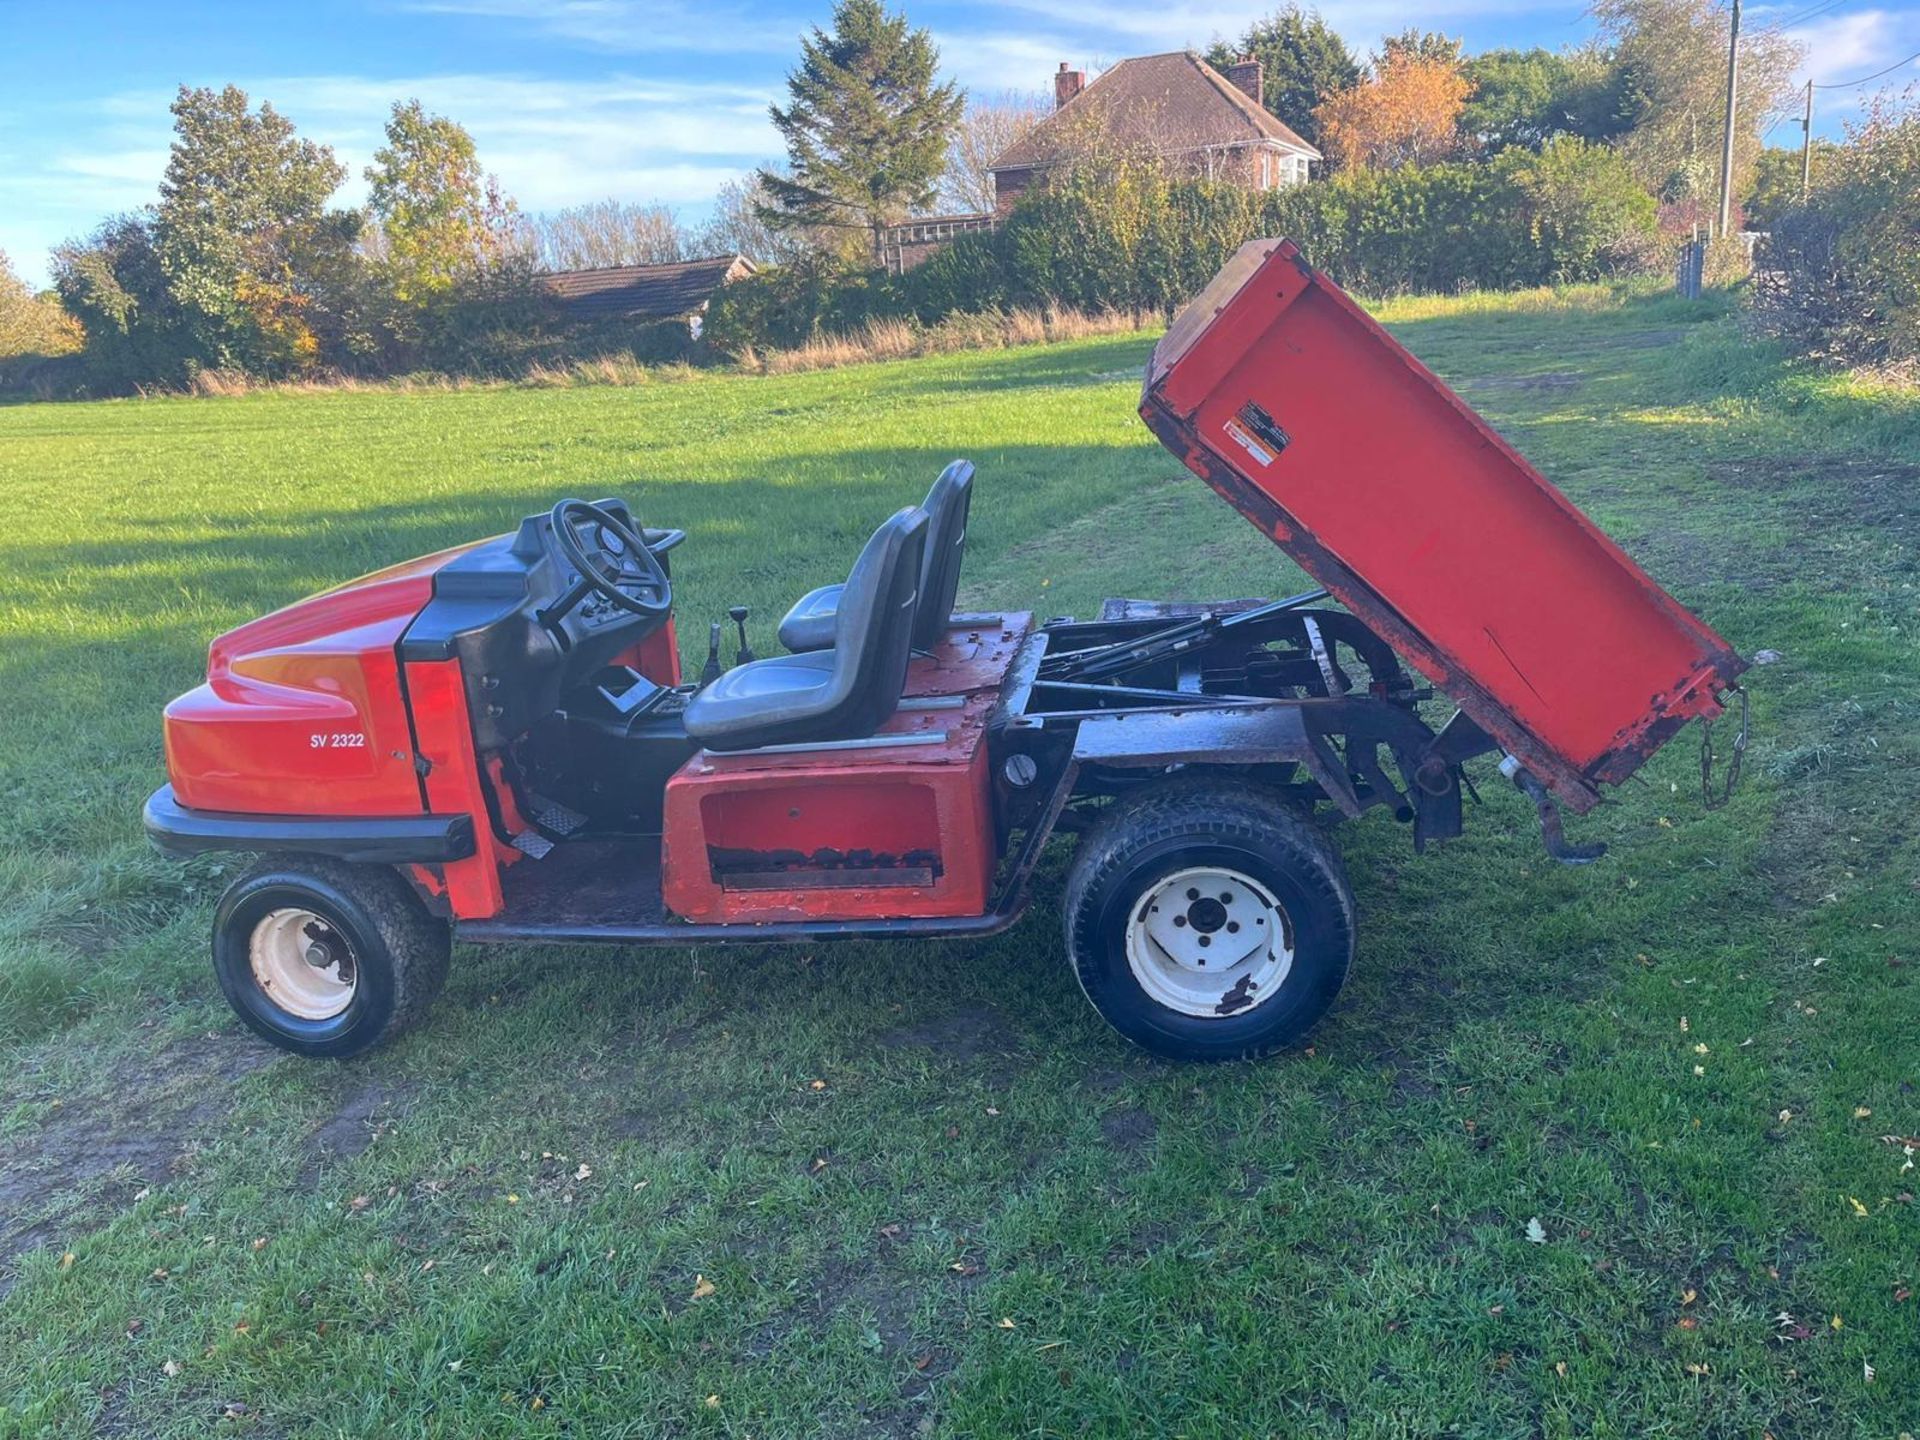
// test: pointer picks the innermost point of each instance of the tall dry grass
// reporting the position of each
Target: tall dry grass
(875, 341)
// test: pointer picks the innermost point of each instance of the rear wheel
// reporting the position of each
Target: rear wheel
(326, 958)
(1208, 921)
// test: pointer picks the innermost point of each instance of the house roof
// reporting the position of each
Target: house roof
(1164, 104)
(645, 292)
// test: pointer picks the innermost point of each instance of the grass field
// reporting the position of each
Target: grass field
(905, 1190)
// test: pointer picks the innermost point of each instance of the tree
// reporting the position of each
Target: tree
(1527, 97)
(739, 227)
(1674, 55)
(242, 224)
(31, 324)
(1407, 112)
(867, 129)
(1416, 44)
(441, 217)
(608, 232)
(1303, 62)
(985, 132)
(1776, 181)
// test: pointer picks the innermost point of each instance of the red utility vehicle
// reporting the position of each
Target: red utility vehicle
(496, 743)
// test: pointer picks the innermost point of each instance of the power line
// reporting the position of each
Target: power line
(1806, 14)
(1867, 79)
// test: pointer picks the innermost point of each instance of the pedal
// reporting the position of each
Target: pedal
(556, 819)
(533, 844)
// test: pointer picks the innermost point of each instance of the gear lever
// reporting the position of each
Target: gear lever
(710, 672)
(739, 614)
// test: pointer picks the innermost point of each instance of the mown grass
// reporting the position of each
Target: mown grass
(930, 1192)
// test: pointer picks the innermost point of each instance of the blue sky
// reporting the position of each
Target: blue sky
(577, 100)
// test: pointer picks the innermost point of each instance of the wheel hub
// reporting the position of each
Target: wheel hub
(302, 963)
(1209, 941)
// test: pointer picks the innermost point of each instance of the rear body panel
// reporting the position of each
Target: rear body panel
(1281, 393)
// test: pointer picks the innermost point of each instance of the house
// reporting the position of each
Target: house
(1175, 108)
(646, 294)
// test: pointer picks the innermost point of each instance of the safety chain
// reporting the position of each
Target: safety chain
(1732, 776)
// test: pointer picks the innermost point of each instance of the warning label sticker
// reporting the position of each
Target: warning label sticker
(1261, 454)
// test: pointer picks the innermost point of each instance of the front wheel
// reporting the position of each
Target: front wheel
(326, 958)
(1208, 921)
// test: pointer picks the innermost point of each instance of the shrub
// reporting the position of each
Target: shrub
(1839, 275)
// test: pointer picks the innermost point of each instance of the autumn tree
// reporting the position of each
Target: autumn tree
(440, 216)
(866, 129)
(1406, 112)
(1303, 62)
(242, 232)
(986, 131)
(1675, 53)
(1417, 44)
(608, 232)
(31, 324)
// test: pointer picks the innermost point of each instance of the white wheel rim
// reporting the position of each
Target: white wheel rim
(1210, 942)
(302, 964)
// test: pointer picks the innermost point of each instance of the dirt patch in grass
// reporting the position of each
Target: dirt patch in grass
(965, 1034)
(366, 1114)
(1551, 380)
(93, 1153)
(1128, 1130)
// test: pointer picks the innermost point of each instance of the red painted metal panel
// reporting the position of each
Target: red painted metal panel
(1383, 484)
(918, 798)
(303, 711)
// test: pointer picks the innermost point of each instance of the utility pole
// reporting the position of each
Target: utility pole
(1726, 150)
(1806, 147)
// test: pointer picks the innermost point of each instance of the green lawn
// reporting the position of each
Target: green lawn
(929, 1191)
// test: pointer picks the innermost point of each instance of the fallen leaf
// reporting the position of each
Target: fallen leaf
(1699, 1370)
(454, 1365)
(171, 1368)
(819, 1085)
(135, 1325)
(1503, 1360)
(233, 1410)
(1699, 1069)
(1684, 1027)
(66, 1260)
(1785, 1116)
(890, 1232)
(924, 1361)
(1837, 1323)
(1866, 1372)
(702, 1287)
(1902, 1295)
(713, 1402)
(1858, 1208)
(585, 1172)
(160, 1273)
(1687, 1297)
(991, 1110)
(513, 1199)
(1006, 1322)
(259, 1242)
(537, 1403)
(1687, 1322)
(359, 1202)
(1861, 1112)
(141, 1194)
(1536, 1232)
(1700, 1048)
(1560, 1368)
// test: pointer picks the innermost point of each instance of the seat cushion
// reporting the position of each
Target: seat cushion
(780, 690)
(809, 624)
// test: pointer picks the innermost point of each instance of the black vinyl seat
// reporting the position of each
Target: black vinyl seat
(809, 624)
(843, 693)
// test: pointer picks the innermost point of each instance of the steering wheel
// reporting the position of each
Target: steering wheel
(630, 563)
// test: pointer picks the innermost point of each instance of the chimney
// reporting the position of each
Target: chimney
(1069, 83)
(1245, 75)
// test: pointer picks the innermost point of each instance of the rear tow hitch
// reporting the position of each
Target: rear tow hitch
(1552, 833)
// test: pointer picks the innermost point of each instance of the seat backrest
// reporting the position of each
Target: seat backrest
(873, 631)
(946, 506)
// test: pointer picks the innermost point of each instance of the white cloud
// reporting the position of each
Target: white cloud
(637, 26)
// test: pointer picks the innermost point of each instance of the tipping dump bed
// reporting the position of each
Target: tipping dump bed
(1288, 399)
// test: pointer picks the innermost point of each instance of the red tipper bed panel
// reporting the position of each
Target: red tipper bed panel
(1287, 398)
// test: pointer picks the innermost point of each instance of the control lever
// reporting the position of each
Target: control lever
(710, 672)
(1552, 835)
(739, 614)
